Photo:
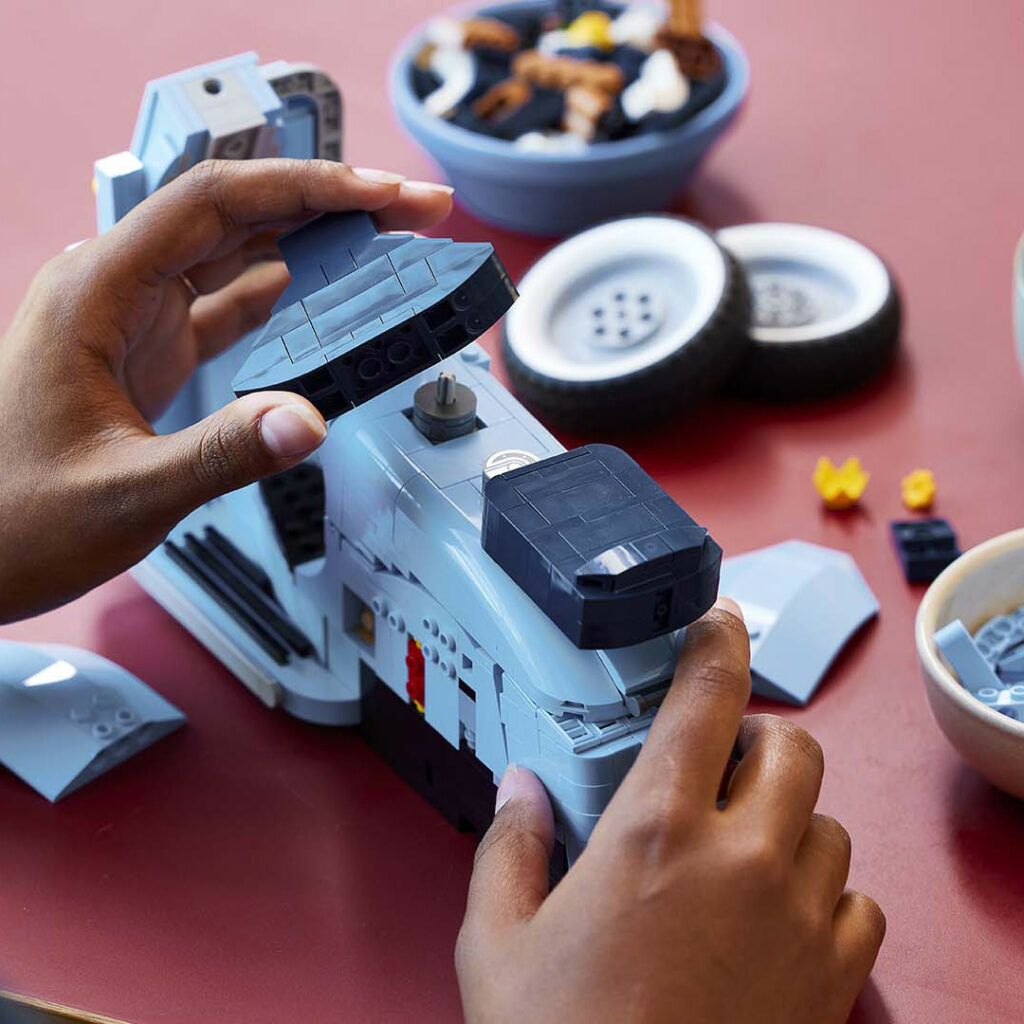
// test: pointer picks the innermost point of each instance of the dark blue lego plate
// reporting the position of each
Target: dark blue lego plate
(600, 547)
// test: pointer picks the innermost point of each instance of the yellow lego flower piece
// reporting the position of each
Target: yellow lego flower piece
(590, 29)
(917, 489)
(840, 487)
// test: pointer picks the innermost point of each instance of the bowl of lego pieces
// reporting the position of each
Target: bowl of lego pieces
(970, 642)
(550, 115)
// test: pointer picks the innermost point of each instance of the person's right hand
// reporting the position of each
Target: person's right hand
(683, 907)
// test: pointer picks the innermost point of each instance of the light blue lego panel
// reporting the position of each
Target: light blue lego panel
(801, 603)
(67, 716)
(963, 654)
(1001, 642)
(991, 663)
(1006, 700)
(230, 109)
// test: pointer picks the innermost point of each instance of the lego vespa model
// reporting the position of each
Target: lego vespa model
(443, 574)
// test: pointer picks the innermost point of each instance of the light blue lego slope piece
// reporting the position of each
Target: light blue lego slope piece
(67, 716)
(963, 654)
(802, 603)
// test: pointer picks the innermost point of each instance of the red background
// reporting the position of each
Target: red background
(252, 868)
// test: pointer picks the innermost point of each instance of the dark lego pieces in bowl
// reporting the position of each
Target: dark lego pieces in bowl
(610, 73)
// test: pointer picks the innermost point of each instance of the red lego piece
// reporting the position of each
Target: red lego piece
(416, 684)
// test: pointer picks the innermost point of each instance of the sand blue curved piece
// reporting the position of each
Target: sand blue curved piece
(801, 603)
(555, 194)
(67, 716)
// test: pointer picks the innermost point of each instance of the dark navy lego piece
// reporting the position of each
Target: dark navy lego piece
(924, 547)
(600, 547)
(366, 311)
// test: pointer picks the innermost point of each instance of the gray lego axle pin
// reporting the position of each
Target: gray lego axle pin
(67, 716)
(600, 547)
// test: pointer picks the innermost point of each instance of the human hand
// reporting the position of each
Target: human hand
(111, 330)
(682, 907)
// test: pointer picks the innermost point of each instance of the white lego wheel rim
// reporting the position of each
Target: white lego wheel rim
(680, 268)
(843, 283)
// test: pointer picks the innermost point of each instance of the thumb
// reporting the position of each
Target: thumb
(510, 873)
(250, 438)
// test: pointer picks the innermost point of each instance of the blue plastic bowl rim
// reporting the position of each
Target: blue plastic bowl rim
(410, 108)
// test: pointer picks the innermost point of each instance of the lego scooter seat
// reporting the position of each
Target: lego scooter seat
(366, 311)
(600, 547)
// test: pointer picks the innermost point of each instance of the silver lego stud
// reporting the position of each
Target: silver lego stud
(508, 458)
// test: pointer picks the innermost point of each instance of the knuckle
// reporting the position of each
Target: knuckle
(216, 455)
(716, 677)
(653, 830)
(796, 739)
(835, 832)
(762, 862)
(870, 914)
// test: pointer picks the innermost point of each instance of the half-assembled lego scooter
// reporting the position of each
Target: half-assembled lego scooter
(443, 573)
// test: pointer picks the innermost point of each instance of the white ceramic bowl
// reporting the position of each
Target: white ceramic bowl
(986, 581)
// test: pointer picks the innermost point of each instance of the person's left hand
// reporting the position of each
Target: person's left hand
(110, 331)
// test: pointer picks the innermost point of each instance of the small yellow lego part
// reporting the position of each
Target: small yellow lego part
(590, 29)
(917, 489)
(95, 186)
(840, 487)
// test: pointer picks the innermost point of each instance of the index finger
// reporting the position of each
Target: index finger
(694, 731)
(218, 203)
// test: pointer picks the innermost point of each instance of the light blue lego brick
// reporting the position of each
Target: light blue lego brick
(298, 129)
(417, 277)
(456, 257)
(416, 249)
(382, 245)
(1006, 700)
(348, 318)
(333, 299)
(67, 716)
(441, 706)
(300, 342)
(998, 635)
(265, 358)
(463, 458)
(120, 186)
(960, 650)
(801, 603)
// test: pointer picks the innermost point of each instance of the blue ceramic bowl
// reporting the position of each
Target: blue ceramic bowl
(555, 194)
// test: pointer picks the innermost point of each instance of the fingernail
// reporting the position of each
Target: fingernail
(507, 788)
(434, 187)
(377, 177)
(727, 604)
(290, 430)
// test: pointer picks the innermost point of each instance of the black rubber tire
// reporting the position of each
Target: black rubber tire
(672, 386)
(822, 368)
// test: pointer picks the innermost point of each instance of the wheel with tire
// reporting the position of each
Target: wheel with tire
(626, 322)
(825, 311)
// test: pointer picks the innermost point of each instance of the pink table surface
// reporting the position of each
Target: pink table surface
(252, 868)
